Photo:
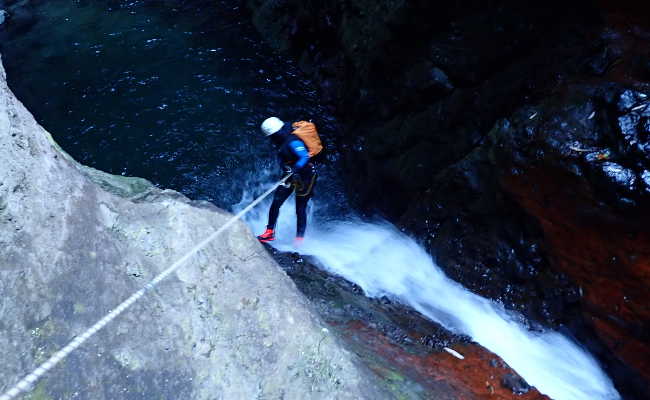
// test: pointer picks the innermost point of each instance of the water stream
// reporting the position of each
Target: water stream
(385, 262)
(175, 91)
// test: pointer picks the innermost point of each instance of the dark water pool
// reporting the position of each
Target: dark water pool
(172, 91)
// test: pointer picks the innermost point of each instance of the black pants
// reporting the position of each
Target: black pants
(304, 192)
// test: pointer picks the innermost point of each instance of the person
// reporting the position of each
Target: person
(294, 159)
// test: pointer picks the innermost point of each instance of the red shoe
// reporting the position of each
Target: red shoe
(298, 241)
(267, 236)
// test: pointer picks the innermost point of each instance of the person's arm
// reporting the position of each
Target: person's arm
(299, 149)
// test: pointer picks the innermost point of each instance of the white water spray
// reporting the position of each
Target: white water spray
(384, 261)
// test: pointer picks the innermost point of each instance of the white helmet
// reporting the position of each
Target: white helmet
(271, 125)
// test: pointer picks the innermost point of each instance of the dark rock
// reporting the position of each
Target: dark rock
(603, 60)
(619, 175)
(628, 124)
(634, 123)
(645, 112)
(422, 83)
(644, 67)
(579, 207)
(645, 176)
(628, 99)
(439, 80)
(515, 383)
(20, 14)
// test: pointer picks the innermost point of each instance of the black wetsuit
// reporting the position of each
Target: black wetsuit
(293, 152)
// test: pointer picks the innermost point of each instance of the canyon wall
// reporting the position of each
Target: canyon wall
(510, 138)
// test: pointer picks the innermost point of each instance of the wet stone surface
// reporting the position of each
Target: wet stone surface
(515, 383)
(394, 340)
(340, 302)
(634, 124)
(619, 175)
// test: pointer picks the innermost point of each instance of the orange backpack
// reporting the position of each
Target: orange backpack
(307, 132)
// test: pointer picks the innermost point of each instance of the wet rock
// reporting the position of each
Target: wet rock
(598, 156)
(630, 99)
(620, 175)
(425, 79)
(628, 124)
(594, 207)
(478, 45)
(644, 67)
(20, 14)
(515, 383)
(477, 375)
(440, 80)
(645, 110)
(369, 324)
(635, 133)
(603, 60)
(645, 176)
(634, 124)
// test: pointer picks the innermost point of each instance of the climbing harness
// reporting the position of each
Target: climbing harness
(27, 383)
(303, 189)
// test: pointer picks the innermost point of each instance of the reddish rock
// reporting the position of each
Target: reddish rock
(478, 376)
(607, 254)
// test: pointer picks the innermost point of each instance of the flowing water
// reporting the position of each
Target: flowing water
(174, 91)
(385, 262)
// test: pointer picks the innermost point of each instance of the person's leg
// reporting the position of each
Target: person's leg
(303, 195)
(301, 215)
(304, 192)
(279, 197)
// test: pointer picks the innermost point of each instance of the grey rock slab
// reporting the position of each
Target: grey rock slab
(75, 242)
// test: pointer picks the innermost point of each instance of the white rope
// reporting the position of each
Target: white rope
(27, 383)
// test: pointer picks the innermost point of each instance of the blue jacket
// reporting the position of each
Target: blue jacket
(299, 154)
(292, 151)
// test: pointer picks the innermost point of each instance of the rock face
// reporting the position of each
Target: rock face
(75, 242)
(514, 140)
(578, 167)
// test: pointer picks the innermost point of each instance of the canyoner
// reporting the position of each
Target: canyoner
(298, 146)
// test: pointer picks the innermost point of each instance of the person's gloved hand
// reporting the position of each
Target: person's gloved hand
(288, 170)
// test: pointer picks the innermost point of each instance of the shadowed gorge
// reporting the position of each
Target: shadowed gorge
(513, 138)
(484, 190)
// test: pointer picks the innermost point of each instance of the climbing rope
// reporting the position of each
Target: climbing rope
(27, 383)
